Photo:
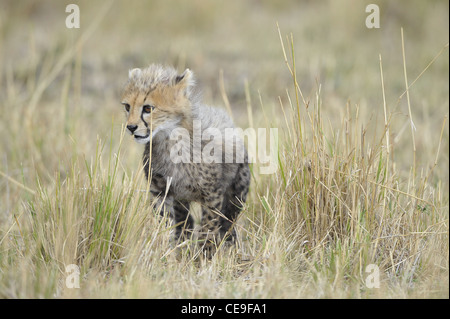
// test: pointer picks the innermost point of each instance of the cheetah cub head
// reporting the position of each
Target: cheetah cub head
(156, 99)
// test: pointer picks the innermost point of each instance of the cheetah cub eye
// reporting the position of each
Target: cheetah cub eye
(127, 106)
(148, 108)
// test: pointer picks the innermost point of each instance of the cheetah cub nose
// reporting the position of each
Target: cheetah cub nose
(132, 128)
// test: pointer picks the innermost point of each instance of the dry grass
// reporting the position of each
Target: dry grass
(356, 183)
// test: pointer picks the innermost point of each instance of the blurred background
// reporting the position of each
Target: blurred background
(60, 87)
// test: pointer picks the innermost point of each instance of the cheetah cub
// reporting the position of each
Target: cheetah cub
(161, 107)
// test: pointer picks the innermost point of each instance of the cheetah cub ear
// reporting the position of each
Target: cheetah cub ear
(185, 82)
(134, 73)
